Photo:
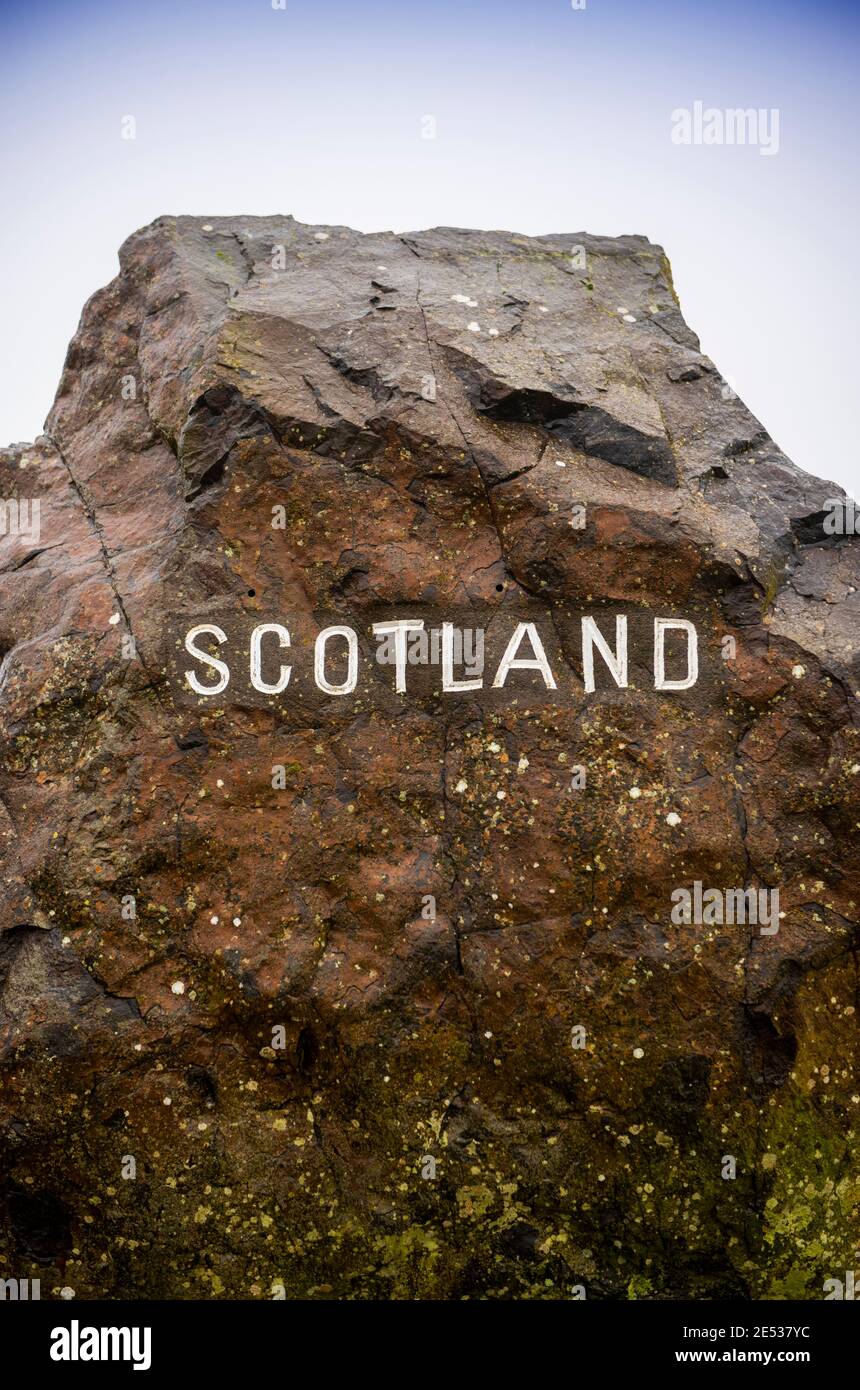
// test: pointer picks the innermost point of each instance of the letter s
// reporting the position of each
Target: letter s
(220, 666)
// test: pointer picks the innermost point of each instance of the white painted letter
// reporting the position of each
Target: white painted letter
(220, 666)
(352, 661)
(399, 630)
(661, 627)
(592, 637)
(448, 682)
(511, 662)
(257, 659)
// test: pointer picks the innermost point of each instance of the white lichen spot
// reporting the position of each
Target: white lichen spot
(237, 921)
(635, 792)
(462, 785)
(320, 236)
(178, 987)
(214, 921)
(473, 327)
(113, 619)
(798, 672)
(66, 1292)
(638, 1052)
(464, 299)
(673, 818)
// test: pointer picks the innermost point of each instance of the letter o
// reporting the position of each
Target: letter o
(352, 661)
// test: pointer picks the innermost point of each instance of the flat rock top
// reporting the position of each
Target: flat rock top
(287, 947)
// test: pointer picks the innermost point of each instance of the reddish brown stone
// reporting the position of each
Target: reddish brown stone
(417, 461)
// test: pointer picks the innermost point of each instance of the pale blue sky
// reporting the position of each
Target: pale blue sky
(549, 119)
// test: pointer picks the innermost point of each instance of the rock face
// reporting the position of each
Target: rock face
(381, 994)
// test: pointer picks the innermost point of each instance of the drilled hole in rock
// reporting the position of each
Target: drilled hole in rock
(252, 593)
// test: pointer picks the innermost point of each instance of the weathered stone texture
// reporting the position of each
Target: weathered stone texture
(408, 400)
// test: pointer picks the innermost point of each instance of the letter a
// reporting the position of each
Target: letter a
(511, 662)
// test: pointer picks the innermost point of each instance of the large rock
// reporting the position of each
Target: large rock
(239, 1049)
